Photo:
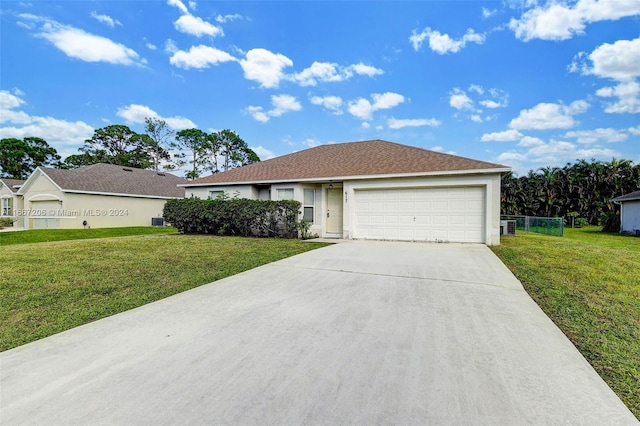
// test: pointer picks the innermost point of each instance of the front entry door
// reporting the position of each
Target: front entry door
(334, 211)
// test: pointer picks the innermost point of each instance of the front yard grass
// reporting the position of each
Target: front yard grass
(42, 235)
(588, 283)
(46, 288)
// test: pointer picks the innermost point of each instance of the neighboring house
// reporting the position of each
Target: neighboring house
(10, 199)
(629, 212)
(375, 190)
(96, 196)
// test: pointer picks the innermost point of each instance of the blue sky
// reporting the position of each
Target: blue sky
(522, 83)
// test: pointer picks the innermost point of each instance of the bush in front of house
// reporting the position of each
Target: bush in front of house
(236, 216)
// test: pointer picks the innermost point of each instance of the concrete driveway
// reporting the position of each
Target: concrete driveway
(355, 333)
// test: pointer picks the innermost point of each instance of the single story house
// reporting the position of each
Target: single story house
(9, 197)
(629, 212)
(96, 196)
(375, 190)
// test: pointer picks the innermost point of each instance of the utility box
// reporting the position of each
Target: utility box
(508, 227)
(157, 221)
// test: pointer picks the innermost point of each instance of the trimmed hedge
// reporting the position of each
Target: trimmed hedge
(237, 216)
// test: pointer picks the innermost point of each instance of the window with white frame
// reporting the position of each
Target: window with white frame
(308, 205)
(215, 194)
(6, 207)
(285, 194)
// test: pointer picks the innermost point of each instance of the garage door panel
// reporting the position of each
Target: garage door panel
(377, 219)
(421, 214)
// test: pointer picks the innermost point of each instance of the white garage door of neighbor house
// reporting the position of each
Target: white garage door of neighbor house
(421, 214)
(44, 214)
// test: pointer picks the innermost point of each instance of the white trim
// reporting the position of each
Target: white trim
(44, 197)
(7, 196)
(116, 194)
(357, 177)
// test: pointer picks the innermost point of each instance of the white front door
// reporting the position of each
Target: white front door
(334, 211)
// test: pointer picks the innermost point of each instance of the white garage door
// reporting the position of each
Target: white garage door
(43, 214)
(421, 214)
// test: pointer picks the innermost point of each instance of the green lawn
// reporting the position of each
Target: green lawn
(46, 288)
(47, 235)
(588, 283)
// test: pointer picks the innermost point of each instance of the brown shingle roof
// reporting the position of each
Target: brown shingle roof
(632, 196)
(13, 183)
(375, 157)
(109, 178)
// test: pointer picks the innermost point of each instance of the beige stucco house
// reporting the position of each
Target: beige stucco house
(96, 196)
(10, 200)
(629, 212)
(375, 190)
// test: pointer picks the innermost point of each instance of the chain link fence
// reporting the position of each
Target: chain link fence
(540, 225)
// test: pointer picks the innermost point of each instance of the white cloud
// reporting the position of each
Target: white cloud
(443, 43)
(476, 88)
(365, 125)
(394, 123)
(281, 105)
(561, 20)
(459, 100)
(258, 114)
(9, 100)
(619, 61)
(364, 109)
(487, 13)
(605, 153)
(528, 141)
(58, 133)
(200, 57)
(488, 103)
(549, 116)
(151, 46)
(628, 94)
(505, 136)
(196, 26)
(511, 156)
(326, 72)
(331, 103)
(135, 113)
(634, 130)
(179, 5)
(263, 152)
(170, 46)
(592, 136)
(223, 19)
(105, 19)
(363, 69)
(441, 149)
(265, 67)
(311, 142)
(319, 71)
(193, 5)
(79, 44)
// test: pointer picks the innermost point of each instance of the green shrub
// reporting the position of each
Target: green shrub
(236, 216)
(5, 222)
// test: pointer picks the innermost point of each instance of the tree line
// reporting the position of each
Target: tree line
(577, 190)
(159, 147)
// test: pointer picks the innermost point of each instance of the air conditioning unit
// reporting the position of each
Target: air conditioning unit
(507, 227)
(157, 221)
